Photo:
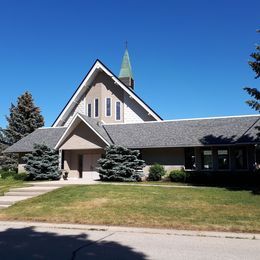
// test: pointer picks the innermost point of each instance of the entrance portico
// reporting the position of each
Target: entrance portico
(81, 163)
(81, 146)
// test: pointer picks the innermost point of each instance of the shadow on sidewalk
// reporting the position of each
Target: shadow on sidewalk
(27, 243)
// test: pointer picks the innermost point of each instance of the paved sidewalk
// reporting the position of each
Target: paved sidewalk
(231, 235)
(38, 188)
(17, 194)
(21, 240)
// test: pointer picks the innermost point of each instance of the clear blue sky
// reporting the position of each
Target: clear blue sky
(189, 58)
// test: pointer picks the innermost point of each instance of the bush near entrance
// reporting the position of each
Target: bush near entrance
(42, 163)
(120, 164)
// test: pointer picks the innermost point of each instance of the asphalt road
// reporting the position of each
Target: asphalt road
(52, 242)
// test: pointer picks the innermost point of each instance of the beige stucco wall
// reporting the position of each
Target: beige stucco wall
(82, 138)
(171, 158)
(104, 87)
(71, 160)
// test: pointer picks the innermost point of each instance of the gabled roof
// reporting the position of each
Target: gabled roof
(93, 124)
(98, 65)
(49, 136)
(184, 133)
(236, 130)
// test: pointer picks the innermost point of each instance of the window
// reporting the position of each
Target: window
(108, 106)
(118, 110)
(223, 159)
(190, 158)
(207, 160)
(62, 160)
(240, 158)
(96, 107)
(89, 110)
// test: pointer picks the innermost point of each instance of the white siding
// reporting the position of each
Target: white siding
(133, 112)
(79, 108)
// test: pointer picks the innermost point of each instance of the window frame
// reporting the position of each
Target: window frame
(120, 116)
(89, 110)
(203, 160)
(96, 109)
(228, 157)
(110, 106)
(245, 158)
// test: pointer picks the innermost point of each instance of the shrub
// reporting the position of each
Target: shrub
(156, 172)
(42, 163)
(21, 176)
(178, 175)
(120, 164)
(7, 174)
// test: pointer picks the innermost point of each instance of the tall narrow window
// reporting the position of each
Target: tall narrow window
(190, 162)
(207, 160)
(89, 110)
(240, 158)
(223, 159)
(118, 110)
(96, 107)
(108, 106)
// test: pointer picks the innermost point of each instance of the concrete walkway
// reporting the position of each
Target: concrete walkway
(37, 188)
(17, 194)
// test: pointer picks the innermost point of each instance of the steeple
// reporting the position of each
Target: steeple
(126, 75)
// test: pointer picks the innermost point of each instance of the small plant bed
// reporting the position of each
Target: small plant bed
(141, 206)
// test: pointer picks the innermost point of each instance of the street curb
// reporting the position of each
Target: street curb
(174, 232)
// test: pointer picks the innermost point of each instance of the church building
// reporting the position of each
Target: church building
(105, 109)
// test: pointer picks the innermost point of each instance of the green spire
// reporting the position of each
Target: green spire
(126, 70)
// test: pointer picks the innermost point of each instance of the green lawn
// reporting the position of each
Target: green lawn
(180, 208)
(6, 184)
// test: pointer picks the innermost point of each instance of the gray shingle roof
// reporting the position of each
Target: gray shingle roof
(98, 127)
(181, 133)
(48, 136)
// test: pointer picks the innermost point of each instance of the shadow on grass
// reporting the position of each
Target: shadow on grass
(255, 190)
(233, 181)
(27, 243)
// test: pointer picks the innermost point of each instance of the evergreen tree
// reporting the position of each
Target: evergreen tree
(42, 163)
(120, 164)
(24, 118)
(254, 92)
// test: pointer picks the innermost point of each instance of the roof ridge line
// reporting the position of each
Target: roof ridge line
(186, 119)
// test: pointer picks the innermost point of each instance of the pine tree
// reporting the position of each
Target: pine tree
(42, 163)
(254, 92)
(120, 164)
(24, 118)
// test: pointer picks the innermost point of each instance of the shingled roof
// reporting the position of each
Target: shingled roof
(48, 136)
(176, 133)
(183, 133)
